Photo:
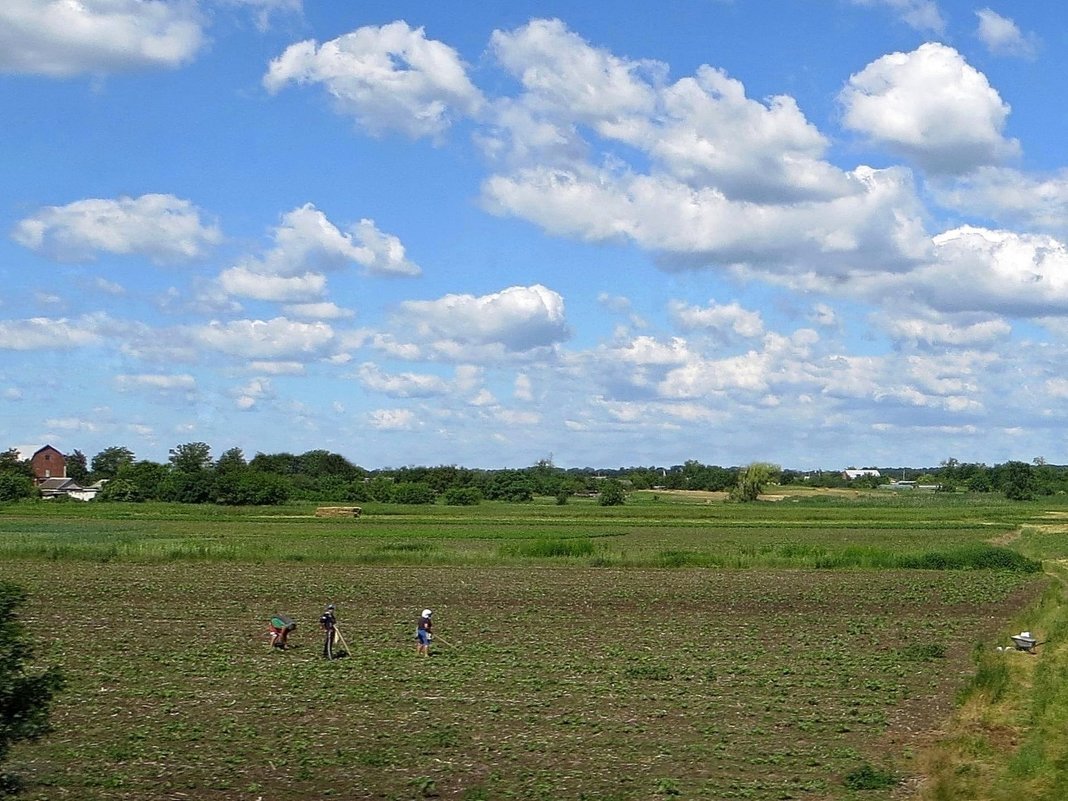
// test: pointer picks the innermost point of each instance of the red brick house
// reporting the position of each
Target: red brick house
(48, 463)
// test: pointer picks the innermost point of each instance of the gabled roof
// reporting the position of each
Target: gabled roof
(65, 484)
(47, 448)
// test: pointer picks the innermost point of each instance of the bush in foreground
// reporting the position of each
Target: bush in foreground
(25, 698)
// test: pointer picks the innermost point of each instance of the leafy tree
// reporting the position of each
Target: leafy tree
(283, 464)
(15, 487)
(1018, 481)
(320, 463)
(109, 461)
(251, 488)
(232, 461)
(78, 467)
(462, 496)
(185, 487)
(120, 490)
(412, 492)
(192, 457)
(612, 493)
(25, 698)
(752, 479)
(509, 485)
(10, 462)
(146, 477)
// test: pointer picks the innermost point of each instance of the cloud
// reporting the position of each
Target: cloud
(700, 378)
(702, 130)
(306, 245)
(518, 318)
(711, 134)
(646, 350)
(58, 38)
(382, 254)
(1010, 197)
(931, 106)
(524, 388)
(877, 226)
(279, 338)
(265, 9)
(250, 394)
(1002, 37)
(393, 420)
(163, 228)
(729, 320)
(156, 381)
(277, 368)
(558, 70)
(389, 78)
(402, 385)
(923, 15)
(978, 269)
(43, 333)
(306, 240)
(318, 311)
(941, 333)
(245, 283)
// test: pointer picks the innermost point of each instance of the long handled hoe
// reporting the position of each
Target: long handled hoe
(341, 639)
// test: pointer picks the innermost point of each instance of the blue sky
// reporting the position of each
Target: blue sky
(822, 233)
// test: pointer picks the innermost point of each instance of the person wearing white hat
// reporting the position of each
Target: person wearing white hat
(424, 633)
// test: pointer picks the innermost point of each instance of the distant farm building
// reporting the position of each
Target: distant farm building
(852, 474)
(69, 488)
(48, 463)
(50, 475)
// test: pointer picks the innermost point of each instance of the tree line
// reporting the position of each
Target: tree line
(192, 475)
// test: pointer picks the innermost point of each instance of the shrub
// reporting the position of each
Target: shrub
(977, 556)
(557, 548)
(121, 490)
(251, 488)
(416, 492)
(612, 493)
(462, 496)
(867, 777)
(14, 487)
(25, 699)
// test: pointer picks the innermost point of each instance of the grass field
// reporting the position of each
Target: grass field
(665, 648)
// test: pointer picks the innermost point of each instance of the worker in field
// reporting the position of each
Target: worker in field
(328, 623)
(280, 626)
(424, 633)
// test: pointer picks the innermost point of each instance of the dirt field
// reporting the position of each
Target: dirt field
(560, 683)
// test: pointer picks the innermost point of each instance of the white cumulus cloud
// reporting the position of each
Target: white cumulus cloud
(932, 106)
(279, 338)
(389, 78)
(61, 37)
(43, 333)
(402, 385)
(728, 319)
(162, 382)
(923, 15)
(163, 228)
(519, 318)
(1002, 36)
(246, 283)
(393, 420)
